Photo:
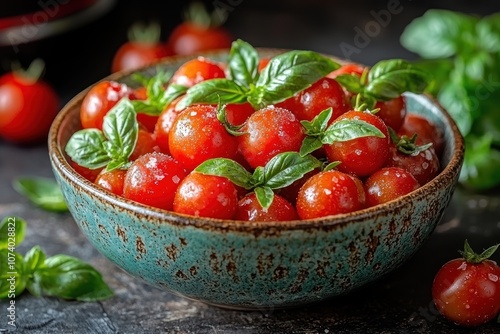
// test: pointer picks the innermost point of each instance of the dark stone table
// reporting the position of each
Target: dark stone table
(399, 303)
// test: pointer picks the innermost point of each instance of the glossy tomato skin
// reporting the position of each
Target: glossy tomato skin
(392, 112)
(424, 165)
(134, 54)
(99, 100)
(249, 209)
(188, 38)
(164, 124)
(427, 132)
(27, 109)
(270, 131)
(329, 193)
(387, 184)
(197, 135)
(349, 68)
(112, 181)
(467, 294)
(207, 196)
(197, 70)
(361, 156)
(324, 93)
(89, 174)
(237, 114)
(152, 179)
(146, 143)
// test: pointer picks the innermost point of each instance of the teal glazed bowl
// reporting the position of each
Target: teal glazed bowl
(246, 265)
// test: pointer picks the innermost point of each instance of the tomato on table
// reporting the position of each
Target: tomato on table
(28, 105)
(466, 290)
(142, 48)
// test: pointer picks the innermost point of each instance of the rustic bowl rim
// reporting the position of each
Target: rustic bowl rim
(446, 176)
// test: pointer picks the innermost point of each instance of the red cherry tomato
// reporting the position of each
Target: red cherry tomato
(328, 193)
(89, 174)
(197, 70)
(387, 184)
(249, 209)
(270, 131)
(152, 179)
(164, 124)
(189, 38)
(99, 100)
(323, 94)
(361, 156)
(392, 112)
(112, 180)
(427, 132)
(347, 69)
(135, 54)
(237, 114)
(146, 143)
(27, 108)
(206, 196)
(467, 293)
(197, 135)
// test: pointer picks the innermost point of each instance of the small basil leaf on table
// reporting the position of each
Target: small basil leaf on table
(12, 232)
(12, 273)
(42, 192)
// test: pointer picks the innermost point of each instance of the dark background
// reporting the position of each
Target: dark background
(81, 56)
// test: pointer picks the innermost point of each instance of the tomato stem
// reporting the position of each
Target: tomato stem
(144, 33)
(472, 257)
(198, 14)
(31, 74)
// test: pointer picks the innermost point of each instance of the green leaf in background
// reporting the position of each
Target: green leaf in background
(437, 34)
(12, 232)
(481, 164)
(439, 70)
(43, 192)
(454, 98)
(13, 279)
(69, 278)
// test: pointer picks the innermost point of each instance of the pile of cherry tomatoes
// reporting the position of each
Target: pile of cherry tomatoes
(249, 161)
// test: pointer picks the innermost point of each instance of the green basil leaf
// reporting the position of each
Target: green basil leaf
(285, 168)
(121, 128)
(212, 91)
(287, 74)
(351, 82)
(86, 148)
(172, 92)
(227, 168)
(13, 279)
(439, 72)
(438, 33)
(319, 123)
(454, 98)
(34, 259)
(265, 196)
(12, 232)
(331, 165)
(481, 164)
(243, 63)
(146, 107)
(258, 176)
(348, 129)
(42, 192)
(70, 278)
(309, 145)
(388, 79)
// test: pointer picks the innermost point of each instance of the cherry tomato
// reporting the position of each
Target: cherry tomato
(134, 54)
(99, 100)
(323, 94)
(237, 114)
(361, 156)
(164, 124)
(148, 121)
(197, 70)
(347, 69)
(146, 143)
(112, 180)
(468, 292)
(249, 209)
(197, 135)
(387, 184)
(27, 108)
(206, 196)
(423, 165)
(89, 174)
(392, 112)
(189, 38)
(262, 64)
(270, 131)
(427, 132)
(152, 179)
(328, 193)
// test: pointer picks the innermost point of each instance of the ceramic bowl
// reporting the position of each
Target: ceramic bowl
(249, 265)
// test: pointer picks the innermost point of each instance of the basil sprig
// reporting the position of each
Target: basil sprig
(319, 132)
(158, 97)
(281, 171)
(386, 80)
(60, 276)
(284, 75)
(111, 147)
(43, 192)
